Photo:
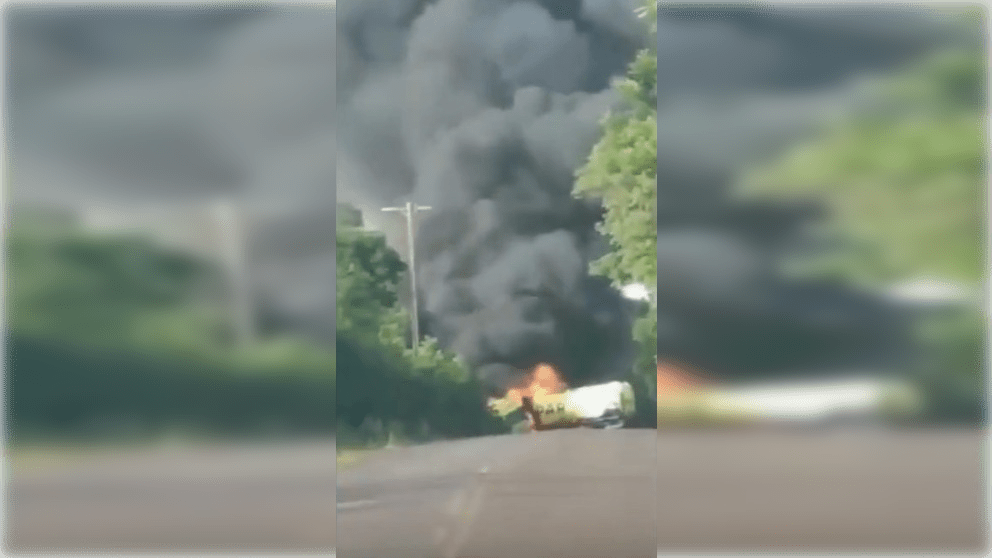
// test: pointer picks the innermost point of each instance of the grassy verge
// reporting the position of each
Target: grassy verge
(352, 453)
(350, 457)
(23, 459)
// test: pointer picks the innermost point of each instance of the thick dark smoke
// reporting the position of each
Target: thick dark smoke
(737, 85)
(484, 110)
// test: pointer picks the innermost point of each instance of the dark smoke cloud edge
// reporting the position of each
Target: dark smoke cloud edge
(501, 103)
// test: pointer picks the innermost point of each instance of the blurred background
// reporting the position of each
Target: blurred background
(822, 199)
(170, 367)
(822, 243)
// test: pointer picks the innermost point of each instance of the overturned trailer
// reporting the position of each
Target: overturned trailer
(598, 406)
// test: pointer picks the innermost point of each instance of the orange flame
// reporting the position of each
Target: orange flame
(542, 380)
(674, 379)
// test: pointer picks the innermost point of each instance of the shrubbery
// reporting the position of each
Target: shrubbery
(116, 336)
(59, 389)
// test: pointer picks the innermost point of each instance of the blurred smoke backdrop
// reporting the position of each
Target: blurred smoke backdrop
(821, 196)
(170, 185)
(821, 232)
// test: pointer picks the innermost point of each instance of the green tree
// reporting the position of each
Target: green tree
(622, 172)
(368, 275)
(67, 284)
(411, 391)
(109, 332)
(429, 359)
(901, 178)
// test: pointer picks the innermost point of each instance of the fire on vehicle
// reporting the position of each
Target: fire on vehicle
(544, 402)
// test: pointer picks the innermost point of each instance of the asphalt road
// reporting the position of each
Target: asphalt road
(585, 493)
(264, 498)
(569, 493)
(573, 493)
(838, 490)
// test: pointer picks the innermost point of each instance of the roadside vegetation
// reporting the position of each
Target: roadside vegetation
(391, 393)
(622, 173)
(113, 337)
(905, 181)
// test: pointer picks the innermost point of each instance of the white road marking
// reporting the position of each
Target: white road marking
(356, 504)
(466, 516)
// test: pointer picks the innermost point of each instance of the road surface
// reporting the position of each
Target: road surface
(586, 493)
(840, 490)
(264, 498)
(576, 494)
(568, 493)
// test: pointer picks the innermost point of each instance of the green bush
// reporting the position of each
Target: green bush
(59, 389)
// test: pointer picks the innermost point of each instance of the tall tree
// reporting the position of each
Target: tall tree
(368, 276)
(622, 172)
(411, 391)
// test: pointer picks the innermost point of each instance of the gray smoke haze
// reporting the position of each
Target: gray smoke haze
(484, 109)
(737, 85)
(140, 110)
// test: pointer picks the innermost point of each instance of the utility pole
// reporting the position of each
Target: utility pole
(409, 211)
(234, 243)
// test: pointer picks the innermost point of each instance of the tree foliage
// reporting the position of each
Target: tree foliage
(429, 359)
(905, 180)
(368, 275)
(414, 393)
(68, 284)
(622, 172)
(111, 332)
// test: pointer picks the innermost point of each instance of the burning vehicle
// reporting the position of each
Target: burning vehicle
(688, 398)
(546, 403)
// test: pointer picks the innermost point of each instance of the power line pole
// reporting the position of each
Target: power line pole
(409, 211)
(234, 246)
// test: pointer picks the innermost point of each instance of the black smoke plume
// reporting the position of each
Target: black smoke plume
(484, 110)
(738, 85)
